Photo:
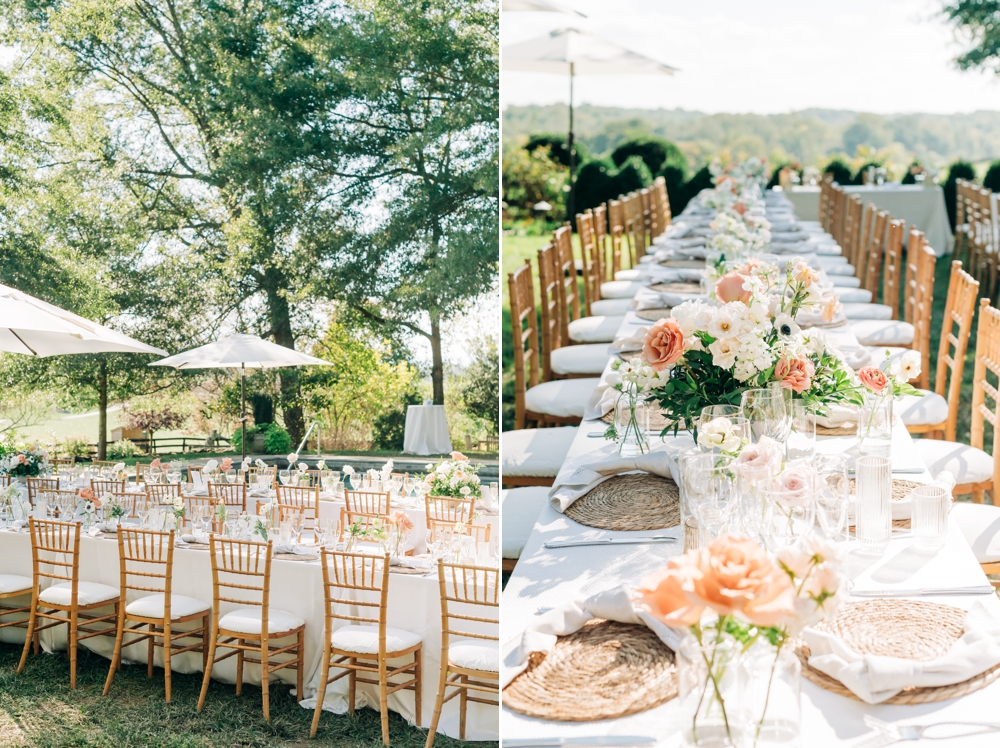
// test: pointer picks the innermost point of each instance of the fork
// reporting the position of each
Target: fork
(915, 732)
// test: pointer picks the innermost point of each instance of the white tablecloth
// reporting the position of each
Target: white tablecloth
(916, 204)
(296, 586)
(426, 430)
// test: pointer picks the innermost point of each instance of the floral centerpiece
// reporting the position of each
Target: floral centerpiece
(26, 463)
(712, 354)
(400, 527)
(632, 379)
(456, 478)
(733, 598)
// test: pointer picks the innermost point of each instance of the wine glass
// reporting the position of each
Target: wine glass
(174, 475)
(708, 488)
(766, 412)
(832, 495)
(231, 476)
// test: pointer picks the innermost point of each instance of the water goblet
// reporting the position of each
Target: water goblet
(801, 444)
(765, 410)
(832, 495)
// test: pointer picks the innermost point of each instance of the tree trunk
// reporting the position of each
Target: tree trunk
(279, 316)
(102, 410)
(437, 362)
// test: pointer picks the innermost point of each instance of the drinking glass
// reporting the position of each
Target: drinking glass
(494, 493)
(766, 412)
(407, 485)
(710, 412)
(231, 476)
(286, 477)
(174, 475)
(708, 486)
(801, 444)
(791, 513)
(832, 495)
(335, 476)
(873, 514)
(930, 506)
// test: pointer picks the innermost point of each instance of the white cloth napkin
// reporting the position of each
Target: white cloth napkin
(858, 358)
(411, 562)
(602, 401)
(632, 343)
(298, 550)
(611, 605)
(664, 299)
(582, 480)
(838, 414)
(874, 678)
(659, 274)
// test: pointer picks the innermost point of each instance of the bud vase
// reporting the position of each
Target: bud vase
(708, 691)
(875, 426)
(631, 422)
(770, 703)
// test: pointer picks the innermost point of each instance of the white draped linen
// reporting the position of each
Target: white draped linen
(426, 430)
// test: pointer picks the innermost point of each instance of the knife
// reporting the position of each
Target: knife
(609, 541)
(979, 589)
(596, 740)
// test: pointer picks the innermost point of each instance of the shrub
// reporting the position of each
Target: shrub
(480, 388)
(992, 179)
(674, 176)
(841, 172)
(276, 440)
(389, 427)
(702, 180)
(123, 450)
(76, 448)
(654, 152)
(958, 170)
(556, 144)
(859, 174)
(599, 181)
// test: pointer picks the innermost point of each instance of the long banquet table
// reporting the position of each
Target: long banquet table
(544, 579)
(296, 586)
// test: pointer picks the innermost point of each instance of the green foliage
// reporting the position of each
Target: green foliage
(840, 170)
(276, 440)
(859, 174)
(675, 177)
(530, 177)
(389, 427)
(74, 448)
(123, 449)
(992, 179)
(958, 170)
(600, 181)
(979, 22)
(654, 152)
(702, 180)
(556, 148)
(480, 388)
(910, 176)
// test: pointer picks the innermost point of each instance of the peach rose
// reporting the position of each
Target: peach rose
(458, 456)
(664, 595)
(664, 344)
(155, 463)
(752, 264)
(830, 309)
(737, 577)
(739, 207)
(873, 378)
(22, 459)
(227, 464)
(87, 494)
(730, 288)
(795, 373)
(402, 521)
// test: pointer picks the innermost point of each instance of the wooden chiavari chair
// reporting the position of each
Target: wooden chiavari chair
(664, 216)
(103, 463)
(470, 657)
(302, 498)
(364, 644)
(366, 507)
(196, 470)
(591, 266)
(616, 229)
(838, 213)
(55, 558)
(231, 494)
(448, 511)
(37, 486)
(892, 283)
(146, 564)
(985, 241)
(241, 576)
(190, 502)
(871, 262)
(101, 486)
(6, 480)
(824, 203)
(648, 222)
(56, 462)
(961, 227)
(569, 294)
(918, 297)
(163, 493)
(601, 238)
(551, 327)
(13, 586)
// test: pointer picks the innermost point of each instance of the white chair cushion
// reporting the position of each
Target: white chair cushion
(247, 621)
(882, 332)
(88, 593)
(839, 269)
(845, 281)
(853, 295)
(564, 398)
(980, 524)
(610, 306)
(580, 359)
(867, 311)
(597, 329)
(895, 353)
(535, 453)
(364, 639)
(828, 250)
(628, 275)
(10, 583)
(828, 261)
(151, 606)
(929, 410)
(475, 655)
(620, 289)
(519, 508)
(967, 464)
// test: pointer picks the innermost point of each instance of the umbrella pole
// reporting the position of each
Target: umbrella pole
(243, 401)
(571, 201)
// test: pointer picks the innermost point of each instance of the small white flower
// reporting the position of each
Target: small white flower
(909, 367)
(465, 490)
(292, 457)
(785, 325)
(303, 467)
(348, 470)
(614, 378)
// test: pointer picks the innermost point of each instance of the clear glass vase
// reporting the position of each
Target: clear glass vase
(875, 426)
(770, 705)
(631, 422)
(708, 691)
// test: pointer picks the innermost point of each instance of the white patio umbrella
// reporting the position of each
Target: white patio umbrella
(243, 352)
(538, 5)
(573, 52)
(36, 328)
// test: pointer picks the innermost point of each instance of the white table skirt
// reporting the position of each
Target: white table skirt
(916, 204)
(296, 586)
(426, 430)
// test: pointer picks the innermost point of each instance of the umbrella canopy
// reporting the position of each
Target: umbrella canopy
(237, 352)
(36, 328)
(538, 5)
(573, 52)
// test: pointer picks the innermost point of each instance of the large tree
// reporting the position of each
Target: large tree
(978, 21)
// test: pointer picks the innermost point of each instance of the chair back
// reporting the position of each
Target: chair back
(469, 595)
(892, 282)
(55, 554)
(601, 234)
(838, 211)
(366, 506)
(241, 574)
(40, 485)
(616, 229)
(447, 510)
(163, 493)
(986, 385)
(6, 480)
(569, 295)
(231, 494)
(591, 268)
(853, 214)
(959, 309)
(524, 324)
(102, 486)
(146, 562)
(346, 578)
(302, 498)
(190, 502)
(57, 461)
(646, 206)
(872, 258)
(918, 299)
(662, 203)
(551, 329)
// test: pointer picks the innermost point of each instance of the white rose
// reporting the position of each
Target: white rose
(465, 490)
(348, 470)
(909, 367)
(614, 378)
(292, 457)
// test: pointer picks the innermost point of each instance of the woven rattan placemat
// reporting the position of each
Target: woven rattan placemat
(900, 488)
(908, 629)
(653, 315)
(848, 429)
(677, 287)
(604, 670)
(639, 501)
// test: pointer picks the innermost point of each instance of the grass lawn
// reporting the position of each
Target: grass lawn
(38, 709)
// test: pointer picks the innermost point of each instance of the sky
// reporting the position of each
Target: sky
(764, 57)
